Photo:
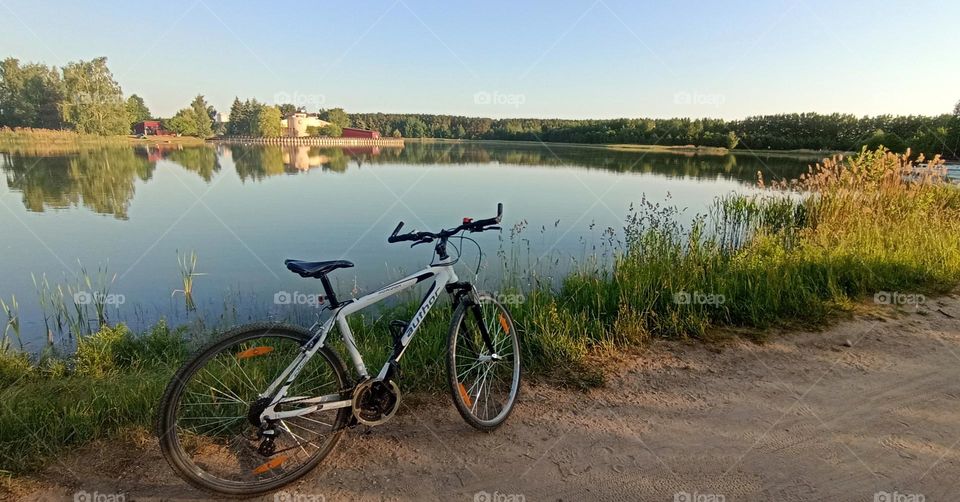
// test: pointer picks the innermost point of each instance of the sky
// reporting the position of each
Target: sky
(501, 59)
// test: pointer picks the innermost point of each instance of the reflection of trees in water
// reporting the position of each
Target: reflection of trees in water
(102, 179)
(257, 162)
(742, 168)
(202, 160)
(738, 167)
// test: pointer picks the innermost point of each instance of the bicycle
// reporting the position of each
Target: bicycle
(265, 403)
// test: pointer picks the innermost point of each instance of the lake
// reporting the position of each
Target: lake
(244, 209)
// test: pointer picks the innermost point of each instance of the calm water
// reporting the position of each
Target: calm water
(245, 209)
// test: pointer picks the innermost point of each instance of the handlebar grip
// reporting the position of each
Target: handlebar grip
(499, 211)
(393, 236)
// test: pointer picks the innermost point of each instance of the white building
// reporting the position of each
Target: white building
(296, 124)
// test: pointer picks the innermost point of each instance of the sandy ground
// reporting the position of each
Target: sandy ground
(867, 410)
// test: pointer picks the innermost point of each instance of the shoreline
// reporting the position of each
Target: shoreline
(35, 140)
(629, 147)
(309, 141)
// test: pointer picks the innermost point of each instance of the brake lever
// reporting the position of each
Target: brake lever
(422, 241)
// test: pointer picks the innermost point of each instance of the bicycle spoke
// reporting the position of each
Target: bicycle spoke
(211, 421)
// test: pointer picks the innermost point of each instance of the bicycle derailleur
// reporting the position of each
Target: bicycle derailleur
(266, 431)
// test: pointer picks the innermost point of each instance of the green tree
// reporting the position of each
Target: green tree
(396, 133)
(287, 109)
(732, 140)
(93, 101)
(238, 118)
(183, 123)
(136, 109)
(413, 127)
(332, 130)
(30, 95)
(193, 120)
(336, 116)
(268, 122)
(201, 114)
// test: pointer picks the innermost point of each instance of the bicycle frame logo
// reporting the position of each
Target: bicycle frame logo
(421, 314)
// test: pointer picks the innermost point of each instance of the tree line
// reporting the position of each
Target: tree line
(84, 96)
(813, 131)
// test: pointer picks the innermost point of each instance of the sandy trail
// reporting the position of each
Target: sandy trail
(802, 417)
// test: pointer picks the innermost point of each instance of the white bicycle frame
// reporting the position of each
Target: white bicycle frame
(442, 273)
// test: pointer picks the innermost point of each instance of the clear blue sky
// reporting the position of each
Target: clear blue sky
(570, 59)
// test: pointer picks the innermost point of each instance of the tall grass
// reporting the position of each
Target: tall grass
(78, 306)
(791, 254)
(12, 312)
(187, 266)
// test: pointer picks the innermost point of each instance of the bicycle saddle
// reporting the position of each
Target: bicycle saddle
(315, 269)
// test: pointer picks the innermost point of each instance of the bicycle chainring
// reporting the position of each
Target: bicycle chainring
(375, 401)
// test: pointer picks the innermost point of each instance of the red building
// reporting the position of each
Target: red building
(150, 128)
(349, 132)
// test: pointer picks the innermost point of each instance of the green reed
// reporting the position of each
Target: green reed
(12, 311)
(187, 266)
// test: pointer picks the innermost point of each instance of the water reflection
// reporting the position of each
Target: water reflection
(104, 180)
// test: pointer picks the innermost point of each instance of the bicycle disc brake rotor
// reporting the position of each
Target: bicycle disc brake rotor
(375, 401)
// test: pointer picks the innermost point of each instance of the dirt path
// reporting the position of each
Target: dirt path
(803, 417)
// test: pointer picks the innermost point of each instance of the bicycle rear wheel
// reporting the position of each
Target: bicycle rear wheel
(484, 386)
(206, 431)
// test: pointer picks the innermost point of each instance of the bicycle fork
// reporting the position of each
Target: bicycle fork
(464, 292)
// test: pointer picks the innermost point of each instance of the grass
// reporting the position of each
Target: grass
(58, 142)
(791, 255)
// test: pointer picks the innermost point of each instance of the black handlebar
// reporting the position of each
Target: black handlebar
(468, 224)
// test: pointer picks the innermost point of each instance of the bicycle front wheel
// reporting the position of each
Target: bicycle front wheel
(484, 385)
(206, 419)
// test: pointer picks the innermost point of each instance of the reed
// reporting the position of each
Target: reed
(12, 311)
(187, 266)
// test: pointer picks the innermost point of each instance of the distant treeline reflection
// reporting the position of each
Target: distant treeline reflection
(104, 179)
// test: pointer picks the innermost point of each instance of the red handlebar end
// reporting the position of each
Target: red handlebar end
(467, 220)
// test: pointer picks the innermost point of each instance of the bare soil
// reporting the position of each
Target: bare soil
(867, 409)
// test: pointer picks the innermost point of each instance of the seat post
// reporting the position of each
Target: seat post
(328, 288)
